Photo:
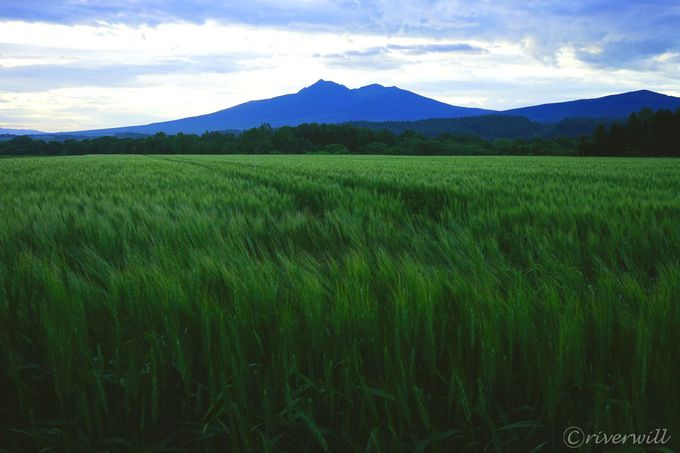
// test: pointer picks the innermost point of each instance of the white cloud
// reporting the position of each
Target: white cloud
(93, 75)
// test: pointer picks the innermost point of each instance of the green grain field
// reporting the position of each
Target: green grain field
(336, 303)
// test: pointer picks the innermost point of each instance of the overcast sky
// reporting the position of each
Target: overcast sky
(82, 64)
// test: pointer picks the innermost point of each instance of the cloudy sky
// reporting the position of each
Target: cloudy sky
(82, 64)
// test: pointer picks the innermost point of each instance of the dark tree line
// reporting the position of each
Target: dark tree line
(491, 127)
(645, 133)
(306, 138)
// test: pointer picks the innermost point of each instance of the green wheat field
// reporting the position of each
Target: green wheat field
(336, 303)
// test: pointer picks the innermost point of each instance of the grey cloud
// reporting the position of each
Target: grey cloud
(438, 48)
(30, 78)
(158, 11)
(649, 27)
(372, 52)
(388, 57)
(623, 53)
(375, 58)
(631, 32)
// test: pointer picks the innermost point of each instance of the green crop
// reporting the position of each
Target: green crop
(340, 303)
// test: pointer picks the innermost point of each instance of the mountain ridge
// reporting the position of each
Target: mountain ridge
(322, 102)
(4, 131)
(611, 106)
(330, 102)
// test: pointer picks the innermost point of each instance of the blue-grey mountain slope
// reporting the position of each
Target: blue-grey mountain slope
(329, 102)
(614, 106)
(18, 132)
(323, 102)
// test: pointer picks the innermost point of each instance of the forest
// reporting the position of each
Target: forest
(303, 139)
(492, 127)
(645, 133)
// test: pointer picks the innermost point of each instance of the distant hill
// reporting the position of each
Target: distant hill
(18, 132)
(614, 106)
(323, 102)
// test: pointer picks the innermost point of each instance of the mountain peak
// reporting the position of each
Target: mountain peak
(376, 88)
(645, 92)
(649, 94)
(324, 85)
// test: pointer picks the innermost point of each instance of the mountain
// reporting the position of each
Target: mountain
(614, 106)
(18, 132)
(329, 102)
(323, 102)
